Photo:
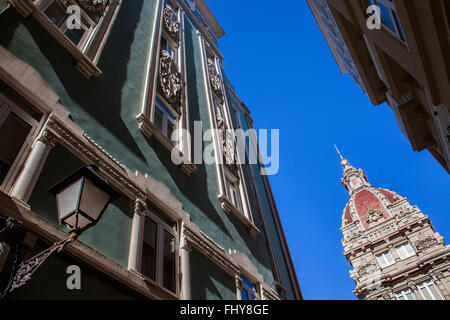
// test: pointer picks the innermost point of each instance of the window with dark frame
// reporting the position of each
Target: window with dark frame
(389, 17)
(96, 18)
(248, 290)
(159, 250)
(19, 122)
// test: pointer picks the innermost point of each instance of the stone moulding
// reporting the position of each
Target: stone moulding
(149, 129)
(92, 153)
(229, 262)
(229, 208)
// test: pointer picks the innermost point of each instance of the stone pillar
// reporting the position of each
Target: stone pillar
(185, 270)
(33, 165)
(137, 228)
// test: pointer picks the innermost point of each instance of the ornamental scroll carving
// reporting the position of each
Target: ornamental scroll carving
(94, 5)
(425, 242)
(169, 78)
(214, 78)
(171, 21)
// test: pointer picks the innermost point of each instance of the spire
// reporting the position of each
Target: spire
(344, 162)
(351, 174)
(340, 155)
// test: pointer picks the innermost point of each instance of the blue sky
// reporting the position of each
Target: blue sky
(282, 69)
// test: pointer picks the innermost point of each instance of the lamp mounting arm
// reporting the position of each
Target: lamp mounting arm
(28, 267)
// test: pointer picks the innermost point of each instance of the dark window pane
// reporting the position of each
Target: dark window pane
(158, 118)
(170, 129)
(244, 294)
(148, 267)
(56, 12)
(13, 133)
(386, 16)
(169, 262)
(161, 216)
(399, 26)
(75, 35)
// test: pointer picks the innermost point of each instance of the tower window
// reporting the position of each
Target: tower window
(405, 251)
(385, 259)
(405, 295)
(429, 291)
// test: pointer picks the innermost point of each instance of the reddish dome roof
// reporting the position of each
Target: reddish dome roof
(366, 200)
(347, 214)
(388, 194)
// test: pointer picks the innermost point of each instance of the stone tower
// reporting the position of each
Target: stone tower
(392, 246)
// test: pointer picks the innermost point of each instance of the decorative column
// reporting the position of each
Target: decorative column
(33, 166)
(137, 229)
(185, 268)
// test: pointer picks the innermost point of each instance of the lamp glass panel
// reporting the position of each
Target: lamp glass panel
(67, 199)
(80, 224)
(93, 199)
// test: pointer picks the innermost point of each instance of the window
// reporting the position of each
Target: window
(385, 259)
(159, 251)
(233, 192)
(389, 17)
(57, 12)
(404, 295)
(85, 42)
(19, 122)
(405, 251)
(248, 290)
(164, 119)
(429, 291)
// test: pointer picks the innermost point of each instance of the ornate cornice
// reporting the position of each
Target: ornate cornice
(90, 152)
(210, 248)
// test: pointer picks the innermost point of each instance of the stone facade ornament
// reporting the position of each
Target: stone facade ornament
(425, 242)
(94, 5)
(214, 78)
(374, 216)
(171, 21)
(169, 78)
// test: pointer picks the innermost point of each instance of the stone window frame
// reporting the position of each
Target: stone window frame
(397, 246)
(424, 285)
(240, 286)
(13, 101)
(382, 253)
(86, 54)
(403, 294)
(145, 210)
(245, 215)
(146, 117)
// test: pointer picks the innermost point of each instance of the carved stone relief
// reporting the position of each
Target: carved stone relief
(94, 5)
(214, 78)
(169, 78)
(171, 21)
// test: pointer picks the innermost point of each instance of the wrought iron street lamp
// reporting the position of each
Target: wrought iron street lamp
(81, 199)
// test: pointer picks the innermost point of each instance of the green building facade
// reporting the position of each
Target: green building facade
(111, 92)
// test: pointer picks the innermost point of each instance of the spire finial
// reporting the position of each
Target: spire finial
(340, 155)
